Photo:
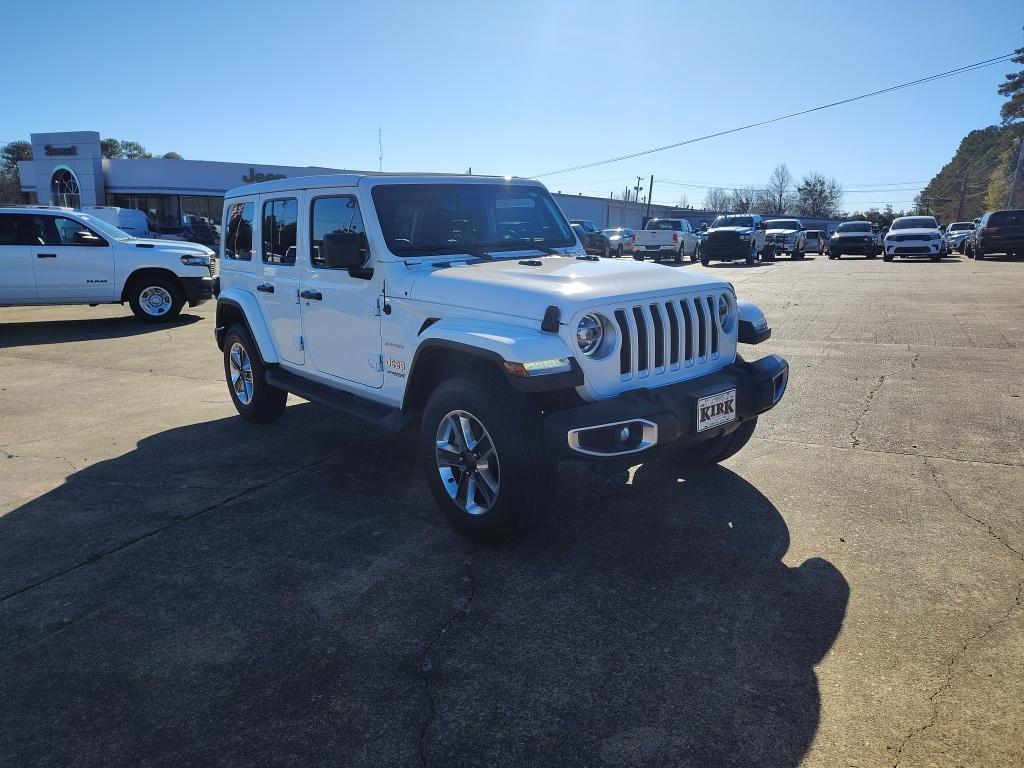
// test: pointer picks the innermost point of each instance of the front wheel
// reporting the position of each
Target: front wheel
(887, 257)
(752, 256)
(715, 450)
(483, 453)
(618, 253)
(704, 258)
(254, 399)
(156, 299)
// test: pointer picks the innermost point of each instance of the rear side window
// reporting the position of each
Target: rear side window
(1006, 219)
(331, 216)
(16, 230)
(280, 227)
(238, 240)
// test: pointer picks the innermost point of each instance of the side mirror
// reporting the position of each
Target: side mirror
(344, 250)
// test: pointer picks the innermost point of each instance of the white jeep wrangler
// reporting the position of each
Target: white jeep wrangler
(467, 304)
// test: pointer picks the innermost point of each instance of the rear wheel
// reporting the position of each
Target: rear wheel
(483, 452)
(752, 256)
(254, 399)
(679, 256)
(156, 299)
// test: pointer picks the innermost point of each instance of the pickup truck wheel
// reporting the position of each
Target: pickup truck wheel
(638, 256)
(254, 399)
(704, 258)
(156, 299)
(679, 256)
(715, 450)
(618, 253)
(483, 452)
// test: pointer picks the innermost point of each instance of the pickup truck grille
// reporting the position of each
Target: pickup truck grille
(664, 336)
(726, 238)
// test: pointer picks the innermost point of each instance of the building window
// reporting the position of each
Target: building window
(64, 189)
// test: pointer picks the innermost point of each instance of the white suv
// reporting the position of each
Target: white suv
(467, 305)
(57, 256)
(914, 236)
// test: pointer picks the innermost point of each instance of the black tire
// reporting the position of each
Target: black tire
(679, 256)
(156, 299)
(887, 257)
(704, 259)
(526, 478)
(618, 252)
(696, 254)
(797, 255)
(978, 254)
(265, 403)
(715, 450)
(871, 255)
(638, 257)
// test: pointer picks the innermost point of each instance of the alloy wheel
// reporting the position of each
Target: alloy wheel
(467, 463)
(241, 373)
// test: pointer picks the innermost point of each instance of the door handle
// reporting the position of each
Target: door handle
(314, 295)
(265, 288)
(46, 255)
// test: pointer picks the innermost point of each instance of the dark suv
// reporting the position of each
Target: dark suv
(596, 242)
(998, 232)
(853, 237)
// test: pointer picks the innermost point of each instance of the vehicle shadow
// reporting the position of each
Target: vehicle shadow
(287, 594)
(39, 332)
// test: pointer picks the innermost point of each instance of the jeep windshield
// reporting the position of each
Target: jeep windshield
(733, 221)
(472, 218)
(855, 226)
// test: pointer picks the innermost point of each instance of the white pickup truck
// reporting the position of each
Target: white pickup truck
(663, 238)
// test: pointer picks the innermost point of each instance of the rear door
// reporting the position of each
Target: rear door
(74, 263)
(17, 274)
(277, 278)
(340, 308)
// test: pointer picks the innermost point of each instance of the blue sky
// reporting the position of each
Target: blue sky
(521, 88)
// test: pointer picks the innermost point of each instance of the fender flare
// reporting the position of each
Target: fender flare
(249, 307)
(753, 326)
(499, 344)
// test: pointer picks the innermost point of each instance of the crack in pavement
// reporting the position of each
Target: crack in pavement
(962, 650)
(9, 455)
(426, 664)
(859, 421)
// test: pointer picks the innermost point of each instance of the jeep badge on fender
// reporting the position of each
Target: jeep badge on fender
(504, 347)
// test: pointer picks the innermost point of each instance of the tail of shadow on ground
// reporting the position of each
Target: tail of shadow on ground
(37, 332)
(332, 615)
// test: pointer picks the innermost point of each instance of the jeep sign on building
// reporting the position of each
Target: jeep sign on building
(69, 169)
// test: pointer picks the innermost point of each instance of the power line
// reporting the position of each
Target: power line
(890, 89)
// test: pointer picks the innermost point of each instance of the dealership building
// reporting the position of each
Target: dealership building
(69, 169)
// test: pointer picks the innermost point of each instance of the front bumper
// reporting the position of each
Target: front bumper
(664, 416)
(915, 248)
(852, 246)
(725, 251)
(197, 289)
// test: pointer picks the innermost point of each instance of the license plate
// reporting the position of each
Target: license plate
(716, 410)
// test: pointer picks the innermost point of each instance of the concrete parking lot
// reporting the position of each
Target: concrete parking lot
(178, 587)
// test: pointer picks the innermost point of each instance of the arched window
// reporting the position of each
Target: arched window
(64, 189)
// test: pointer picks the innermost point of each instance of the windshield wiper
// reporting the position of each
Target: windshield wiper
(524, 244)
(432, 250)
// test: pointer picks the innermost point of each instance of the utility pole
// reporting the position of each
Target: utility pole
(1012, 199)
(650, 195)
(638, 188)
(960, 205)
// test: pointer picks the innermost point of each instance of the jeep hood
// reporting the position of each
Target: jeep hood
(509, 287)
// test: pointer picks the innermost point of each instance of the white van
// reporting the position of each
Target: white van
(129, 220)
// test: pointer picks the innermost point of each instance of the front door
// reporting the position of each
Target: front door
(277, 281)
(17, 274)
(340, 317)
(73, 264)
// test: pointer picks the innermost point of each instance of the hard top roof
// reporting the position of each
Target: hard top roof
(353, 178)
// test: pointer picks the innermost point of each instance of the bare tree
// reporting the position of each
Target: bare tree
(716, 199)
(684, 201)
(742, 200)
(778, 197)
(818, 196)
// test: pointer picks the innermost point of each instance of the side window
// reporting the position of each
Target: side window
(72, 232)
(330, 216)
(238, 228)
(280, 227)
(15, 230)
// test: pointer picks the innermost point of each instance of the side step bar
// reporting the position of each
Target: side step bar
(388, 419)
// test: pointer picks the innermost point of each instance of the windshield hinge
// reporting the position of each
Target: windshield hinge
(376, 362)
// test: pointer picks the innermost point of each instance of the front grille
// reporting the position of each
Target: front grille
(912, 249)
(661, 337)
(723, 239)
(904, 238)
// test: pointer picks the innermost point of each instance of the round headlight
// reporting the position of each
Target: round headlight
(724, 312)
(589, 334)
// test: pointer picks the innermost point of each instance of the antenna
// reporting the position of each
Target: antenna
(380, 149)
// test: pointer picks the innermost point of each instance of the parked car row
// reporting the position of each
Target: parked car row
(995, 232)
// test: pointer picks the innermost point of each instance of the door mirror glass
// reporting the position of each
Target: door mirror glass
(344, 250)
